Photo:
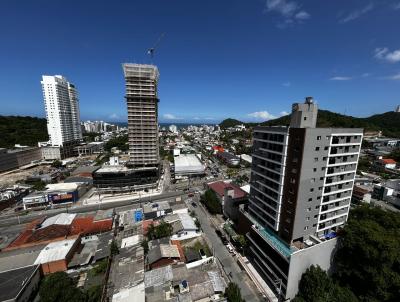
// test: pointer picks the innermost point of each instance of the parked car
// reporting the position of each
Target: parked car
(230, 248)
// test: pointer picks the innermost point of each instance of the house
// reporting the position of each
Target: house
(163, 255)
(387, 163)
(230, 195)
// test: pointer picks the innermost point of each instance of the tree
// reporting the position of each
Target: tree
(121, 142)
(145, 246)
(232, 293)
(93, 294)
(114, 250)
(395, 154)
(58, 287)
(38, 185)
(369, 259)
(56, 164)
(211, 201)
(316, 286)
(162, 230)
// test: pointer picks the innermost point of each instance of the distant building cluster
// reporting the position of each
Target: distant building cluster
(98, 127)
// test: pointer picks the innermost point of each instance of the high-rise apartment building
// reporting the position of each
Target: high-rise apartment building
(142, 101)
(62, 110)
(301, 185)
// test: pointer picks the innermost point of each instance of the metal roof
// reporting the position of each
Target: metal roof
(59, 219)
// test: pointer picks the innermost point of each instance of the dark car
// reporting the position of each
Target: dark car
(194, 205)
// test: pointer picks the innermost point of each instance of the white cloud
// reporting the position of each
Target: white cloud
(357, 13)
(286, 84)
(395, 77)
(365, 75)
(169, 116)
(384, 54)
(196, 118)
(290, 11)
(341, 78)
(282, 113)
(209, 118)
(114, 116)
(264, 115)
(396, 6)
(302, 15)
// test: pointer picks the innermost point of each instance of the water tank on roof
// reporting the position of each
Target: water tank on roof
(138, 215)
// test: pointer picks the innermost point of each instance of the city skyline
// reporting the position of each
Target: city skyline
(344, 55)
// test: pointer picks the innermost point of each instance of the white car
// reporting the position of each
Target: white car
(230, 248)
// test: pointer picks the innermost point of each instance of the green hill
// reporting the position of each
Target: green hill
(388, 122)
(230, 122)
(24, 130)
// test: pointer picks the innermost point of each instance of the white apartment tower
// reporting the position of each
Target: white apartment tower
(62, 110)
(301, 183)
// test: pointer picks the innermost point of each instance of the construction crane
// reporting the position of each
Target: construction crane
(151, 51)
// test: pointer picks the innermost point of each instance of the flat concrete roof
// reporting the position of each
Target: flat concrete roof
(132, 294)
(188, 163)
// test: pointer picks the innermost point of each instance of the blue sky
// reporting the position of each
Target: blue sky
(247, 59)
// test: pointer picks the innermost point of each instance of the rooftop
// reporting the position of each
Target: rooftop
(13, 281)
(162, 251)
(59, 219)
(131, 294)
(188, 163)
(62, 186)
(220, 186)
(55, 251)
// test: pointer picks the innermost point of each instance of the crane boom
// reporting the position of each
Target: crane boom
(151, 50)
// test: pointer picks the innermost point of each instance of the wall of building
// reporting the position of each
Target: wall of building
(54, 266)
(30, 288)
(14, 160)
(320, 254)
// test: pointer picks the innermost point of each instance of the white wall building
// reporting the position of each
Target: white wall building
(62, 110)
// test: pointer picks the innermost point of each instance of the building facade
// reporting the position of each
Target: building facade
(16, 158)
(142, 102)
(62, 110)
(301, 186)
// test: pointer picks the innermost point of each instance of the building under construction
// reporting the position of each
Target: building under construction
(142, 170)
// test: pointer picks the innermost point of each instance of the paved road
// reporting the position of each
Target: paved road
(248, 290)
(84, 208)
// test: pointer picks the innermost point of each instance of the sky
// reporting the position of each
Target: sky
(244, 59)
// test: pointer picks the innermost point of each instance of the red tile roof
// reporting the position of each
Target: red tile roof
(219, 188)
(146, 224)
(388, 161)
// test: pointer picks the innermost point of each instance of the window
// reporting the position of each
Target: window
(315, 159)
(305, 118)
(294, 170)
(321, 178)
(307, 218)
(315, 169)
(308, 209)
(327, 137)
(310, 199)
(324, 158)
(316, 148)
(318, 138)
(305, 228)
(312, 180)
(317, 207)
(312, 190)
(314, 225)
(326, 148)
(320, 188)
